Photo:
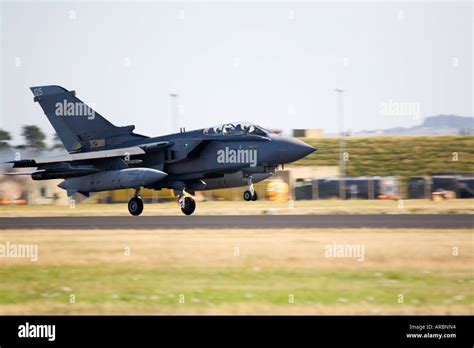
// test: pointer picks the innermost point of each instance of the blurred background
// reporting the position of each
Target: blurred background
(383, 90)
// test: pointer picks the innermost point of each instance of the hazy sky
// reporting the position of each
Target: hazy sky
(272, 63)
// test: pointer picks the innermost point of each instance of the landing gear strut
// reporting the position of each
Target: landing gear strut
(135, 205)
(187, 204)
(250, 194)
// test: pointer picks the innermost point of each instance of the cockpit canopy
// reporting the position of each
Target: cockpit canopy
(237, 128)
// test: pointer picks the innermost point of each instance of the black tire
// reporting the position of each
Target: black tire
(247, 195)
(189, 206)
(135, 206)
(255, 196)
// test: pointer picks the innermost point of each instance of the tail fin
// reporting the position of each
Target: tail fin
(79, 127)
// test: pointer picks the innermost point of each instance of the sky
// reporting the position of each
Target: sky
(271, 63)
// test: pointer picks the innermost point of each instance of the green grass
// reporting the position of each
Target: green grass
(401, 156)
(129, 286)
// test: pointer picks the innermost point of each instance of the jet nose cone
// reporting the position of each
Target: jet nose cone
(293, 150)
(304, 149)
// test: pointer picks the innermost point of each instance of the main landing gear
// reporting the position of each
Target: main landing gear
(186, 203)
(250, 194)
(135, 205)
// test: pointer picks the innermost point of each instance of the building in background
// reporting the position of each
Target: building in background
(308, 133)
(18, 190)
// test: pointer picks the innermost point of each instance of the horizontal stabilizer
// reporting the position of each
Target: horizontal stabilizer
(28, 163)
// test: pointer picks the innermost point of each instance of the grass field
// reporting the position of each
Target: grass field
(414, 206)
(239, 272)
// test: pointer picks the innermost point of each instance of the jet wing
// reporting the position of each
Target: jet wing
(92, 155)
(24, 173)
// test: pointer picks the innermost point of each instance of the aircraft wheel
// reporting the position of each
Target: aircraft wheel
(135, 206)
(247, 195)
(189, 206)
(254, 197)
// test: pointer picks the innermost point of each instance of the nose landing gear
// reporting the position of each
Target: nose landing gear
(250, 194)
(187, 204)
(135, 205)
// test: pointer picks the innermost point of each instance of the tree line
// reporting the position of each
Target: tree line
(33, 137)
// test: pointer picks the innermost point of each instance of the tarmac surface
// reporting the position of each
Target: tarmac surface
(433, 221)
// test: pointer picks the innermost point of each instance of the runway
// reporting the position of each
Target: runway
(239, 222)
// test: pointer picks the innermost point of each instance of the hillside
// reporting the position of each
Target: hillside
(433, 125)
(401, 156)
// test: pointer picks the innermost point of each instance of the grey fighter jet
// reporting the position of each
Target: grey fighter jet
(102, 156)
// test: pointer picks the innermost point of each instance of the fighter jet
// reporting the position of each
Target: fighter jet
(102, 156)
